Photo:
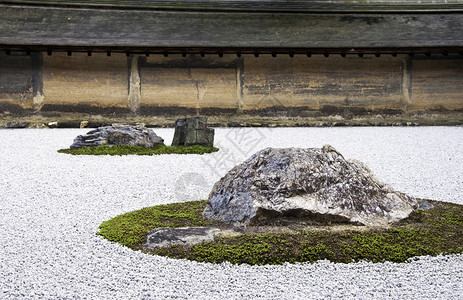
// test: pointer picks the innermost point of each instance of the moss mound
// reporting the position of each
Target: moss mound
(137, 150)
(432, 232)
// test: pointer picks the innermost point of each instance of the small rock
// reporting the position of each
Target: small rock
(52, 124)
(17, 124)
(425, 205)
(38, 126)
(137, 135)
(163, 237)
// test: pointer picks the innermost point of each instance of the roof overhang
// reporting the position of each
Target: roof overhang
(298, 6)
(97, 29)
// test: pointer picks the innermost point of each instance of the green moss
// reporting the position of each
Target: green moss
(432, 232)
(137, 150)
(130, 229)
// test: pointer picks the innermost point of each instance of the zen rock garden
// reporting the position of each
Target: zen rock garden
(280, 187)
(275, 191)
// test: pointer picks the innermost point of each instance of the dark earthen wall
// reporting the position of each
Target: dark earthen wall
(16, 78)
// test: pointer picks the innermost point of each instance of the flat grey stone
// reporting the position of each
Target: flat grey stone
(17, 124)
(163, 237)
(424, 205)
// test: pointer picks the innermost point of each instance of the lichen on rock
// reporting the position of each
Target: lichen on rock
(305, 183)
(133, 135)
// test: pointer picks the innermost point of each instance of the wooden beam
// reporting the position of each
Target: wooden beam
(71, 27)
(300, 6)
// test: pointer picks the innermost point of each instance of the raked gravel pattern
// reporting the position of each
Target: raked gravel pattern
(51, 205)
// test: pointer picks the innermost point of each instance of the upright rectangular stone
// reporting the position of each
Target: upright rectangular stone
(193, 131)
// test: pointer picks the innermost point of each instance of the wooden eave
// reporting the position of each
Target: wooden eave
(76, 28)
(299, 6)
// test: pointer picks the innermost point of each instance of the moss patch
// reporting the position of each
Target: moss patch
(137, 150)
(432, 232)
(130, 229)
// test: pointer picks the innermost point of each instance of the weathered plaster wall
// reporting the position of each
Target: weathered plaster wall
(137, 85)
(81, 80)
(370, 82)
(437, 84)
(190, 82)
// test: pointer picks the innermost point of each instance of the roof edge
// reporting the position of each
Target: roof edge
(281, 6)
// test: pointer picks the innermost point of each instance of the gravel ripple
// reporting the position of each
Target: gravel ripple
(51, 205)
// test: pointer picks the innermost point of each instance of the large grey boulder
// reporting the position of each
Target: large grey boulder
(193, 131)
(134, 135)
(305, 183)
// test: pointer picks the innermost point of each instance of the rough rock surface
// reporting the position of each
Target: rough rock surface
(17, 124)
(163, 237)
(193, 131)
(137, 135)
(308, 184)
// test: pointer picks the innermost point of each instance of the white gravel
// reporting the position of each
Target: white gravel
(51, 205)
